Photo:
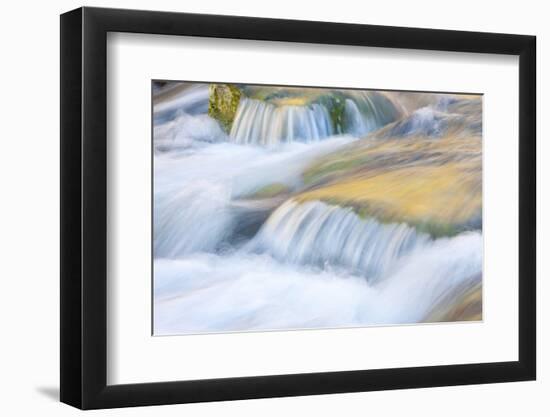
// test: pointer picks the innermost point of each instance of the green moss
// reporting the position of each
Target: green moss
(337, 112)
(271, 190)
(223, 103)
(335, 102)
(437, 230)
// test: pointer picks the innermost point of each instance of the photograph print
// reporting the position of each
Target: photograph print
(288, 208)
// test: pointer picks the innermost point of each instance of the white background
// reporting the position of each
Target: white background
(134, 356)
(29, 220)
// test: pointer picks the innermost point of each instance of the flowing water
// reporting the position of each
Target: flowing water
(315, 233)
(226, 261)
(258, 122)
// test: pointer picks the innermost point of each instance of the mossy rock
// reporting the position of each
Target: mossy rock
(335, 102)
(223, 103)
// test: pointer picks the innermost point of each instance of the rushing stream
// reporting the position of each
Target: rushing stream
(224, 261)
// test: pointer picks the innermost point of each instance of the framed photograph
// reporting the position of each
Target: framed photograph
(256, 208)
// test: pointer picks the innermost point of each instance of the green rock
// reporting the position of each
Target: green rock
(223, 103)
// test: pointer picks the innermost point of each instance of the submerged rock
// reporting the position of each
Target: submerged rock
(423, 170)
(435, 186)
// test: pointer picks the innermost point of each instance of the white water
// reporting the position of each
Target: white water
(357, 124)
(243, 291)
(366, 111)
(318, 234)
(258, 122)
(186, 130)
(195, 190)
(263, 123)
(307, 265)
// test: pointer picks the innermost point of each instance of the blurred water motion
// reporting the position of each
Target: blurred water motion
(289, 208)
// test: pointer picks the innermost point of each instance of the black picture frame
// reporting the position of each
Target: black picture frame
(84, 207)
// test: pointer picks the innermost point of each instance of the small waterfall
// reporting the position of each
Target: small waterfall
(245, 291)
(320, 234)
(227, 258)
(356, 123)
(259, 122)
(367, 111)
(263, 123)
(181, 117)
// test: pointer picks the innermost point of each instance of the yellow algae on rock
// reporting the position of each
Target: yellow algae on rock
(434, 185)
